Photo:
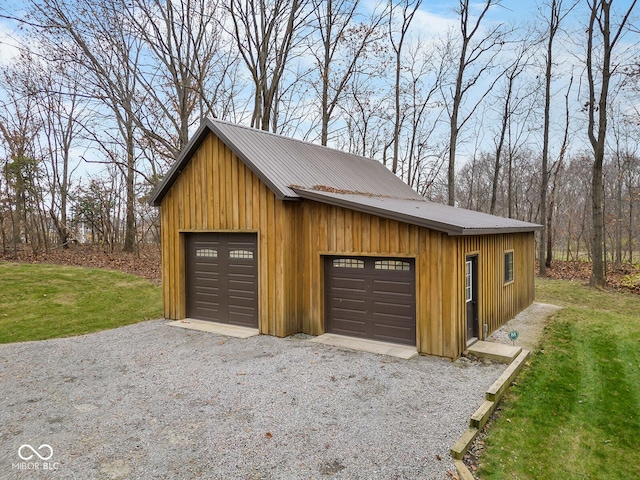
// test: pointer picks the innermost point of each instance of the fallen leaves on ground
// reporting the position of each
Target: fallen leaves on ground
(627, 277)
(145, 262)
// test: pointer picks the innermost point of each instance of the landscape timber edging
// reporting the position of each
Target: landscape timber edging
(493, 396)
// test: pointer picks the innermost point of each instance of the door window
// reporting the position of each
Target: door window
(468, 281)
(392, 265)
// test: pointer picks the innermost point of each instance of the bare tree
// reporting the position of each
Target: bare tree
(512, 102)
(424, 72)
(190, 66)
(101, 44)
(266, 35)
(20, 126)
(556, 15)
(599, 77)
(470, 54)
(344, 45)
(556, 172)
(397, 39)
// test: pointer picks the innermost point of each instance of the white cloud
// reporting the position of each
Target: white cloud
(428, 24)
(8, 44)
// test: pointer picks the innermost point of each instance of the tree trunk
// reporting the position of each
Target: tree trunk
(130, 222)
(600, 15)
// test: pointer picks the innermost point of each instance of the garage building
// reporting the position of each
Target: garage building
(265, 231)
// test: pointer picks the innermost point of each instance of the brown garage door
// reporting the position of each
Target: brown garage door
(222, 278)
(371, 298)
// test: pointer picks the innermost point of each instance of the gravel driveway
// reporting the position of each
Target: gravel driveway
(152, 401)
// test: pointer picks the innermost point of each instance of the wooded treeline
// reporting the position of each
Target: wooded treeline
(536, 121)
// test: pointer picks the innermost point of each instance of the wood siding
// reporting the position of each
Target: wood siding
(217, 192)
(440, 263)
(497, 302)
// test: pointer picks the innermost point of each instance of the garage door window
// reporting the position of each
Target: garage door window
(240, 254)
(206, 252)
(348, 263)
(392, 265)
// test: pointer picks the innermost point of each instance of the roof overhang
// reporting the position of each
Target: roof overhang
(425, 214)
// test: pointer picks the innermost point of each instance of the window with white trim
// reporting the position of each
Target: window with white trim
(468, 281)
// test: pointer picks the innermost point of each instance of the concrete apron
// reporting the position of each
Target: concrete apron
(364, 345)
(214, 327)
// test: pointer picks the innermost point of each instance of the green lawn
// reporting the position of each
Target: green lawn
(575, 412)
(48, 301)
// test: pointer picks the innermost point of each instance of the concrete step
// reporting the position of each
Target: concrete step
(495, 351)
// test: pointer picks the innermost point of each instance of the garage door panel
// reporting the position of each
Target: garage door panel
(345, 326)
(374, 301)
(239, 318)
(348, 284)
(394, 310)
(211, 290)
(208, 306)
(397, 333)
(240, 303)
(204, 278)
(385, 287)
(222, 277)
(242, 268)
(353, 305)
(242, 285)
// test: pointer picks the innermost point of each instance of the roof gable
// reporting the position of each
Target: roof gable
(282, 162)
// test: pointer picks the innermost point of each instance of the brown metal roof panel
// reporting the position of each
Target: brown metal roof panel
(435, 216)
(281, 162)
(286, 161)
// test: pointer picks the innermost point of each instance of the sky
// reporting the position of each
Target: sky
(433, 18)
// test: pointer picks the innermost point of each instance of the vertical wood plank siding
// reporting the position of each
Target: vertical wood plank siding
(217, 192)
(499, 302)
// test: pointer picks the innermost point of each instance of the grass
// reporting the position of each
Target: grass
(575, 412)
(39, 302)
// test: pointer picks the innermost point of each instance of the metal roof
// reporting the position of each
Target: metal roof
(435, 216)
(293, 169)
(281, 162)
